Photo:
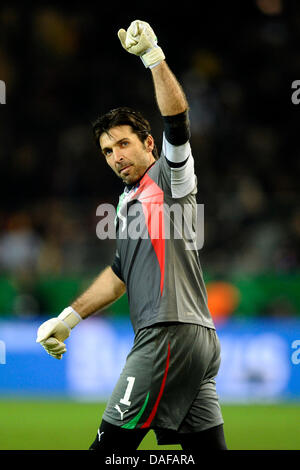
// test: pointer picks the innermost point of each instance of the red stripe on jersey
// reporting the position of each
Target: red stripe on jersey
(154, 410)
(151, 197)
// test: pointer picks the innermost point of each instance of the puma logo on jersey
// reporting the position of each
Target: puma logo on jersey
(120, 411)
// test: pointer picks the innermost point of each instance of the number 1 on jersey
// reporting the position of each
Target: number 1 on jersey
(125, 399)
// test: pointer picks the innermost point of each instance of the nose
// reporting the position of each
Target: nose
(118, 155)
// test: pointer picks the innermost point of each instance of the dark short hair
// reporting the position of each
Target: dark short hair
(120, 117)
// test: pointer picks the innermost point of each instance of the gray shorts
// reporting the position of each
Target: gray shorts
(168, 383)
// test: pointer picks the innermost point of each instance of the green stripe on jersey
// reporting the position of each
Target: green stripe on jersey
(132, 424)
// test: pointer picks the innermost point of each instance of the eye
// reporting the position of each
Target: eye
(124, 143)
(107, 152)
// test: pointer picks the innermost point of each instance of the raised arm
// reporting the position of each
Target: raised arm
(170, 96)
(140, 40)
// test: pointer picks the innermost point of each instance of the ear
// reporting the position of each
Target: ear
(149, 143)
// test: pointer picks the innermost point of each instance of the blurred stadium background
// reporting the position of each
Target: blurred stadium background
(62, 67)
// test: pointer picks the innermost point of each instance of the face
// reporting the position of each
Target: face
(128, 157)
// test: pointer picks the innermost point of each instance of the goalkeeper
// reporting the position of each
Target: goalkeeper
(168, 381)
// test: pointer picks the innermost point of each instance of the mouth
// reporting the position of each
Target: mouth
(124, 169)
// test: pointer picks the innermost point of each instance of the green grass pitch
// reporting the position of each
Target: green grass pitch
(69, 425)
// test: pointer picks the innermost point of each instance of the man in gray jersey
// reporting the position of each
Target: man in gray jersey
(167, 383)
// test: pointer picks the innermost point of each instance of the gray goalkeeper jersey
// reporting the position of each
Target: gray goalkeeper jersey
(157, 254)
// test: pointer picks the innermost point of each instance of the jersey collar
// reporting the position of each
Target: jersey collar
(129, 187)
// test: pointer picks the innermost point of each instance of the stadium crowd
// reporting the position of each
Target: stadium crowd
(61, 72)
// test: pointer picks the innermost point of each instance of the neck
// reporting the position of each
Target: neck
(131, 185)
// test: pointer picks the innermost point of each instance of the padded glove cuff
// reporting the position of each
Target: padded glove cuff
(153, 57)
(69, 317)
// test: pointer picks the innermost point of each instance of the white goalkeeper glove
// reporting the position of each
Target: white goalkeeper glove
(52, 333)
(140, 39)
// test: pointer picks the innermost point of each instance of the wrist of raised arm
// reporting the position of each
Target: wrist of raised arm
(177, 128)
